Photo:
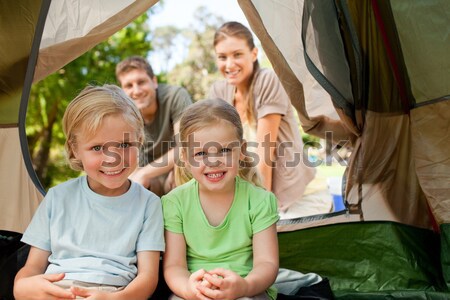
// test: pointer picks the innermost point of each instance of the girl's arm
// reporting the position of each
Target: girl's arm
(266, 137)
(32, 283)
(265, 269)
(140, 288)
(177, 276)
(265, 261)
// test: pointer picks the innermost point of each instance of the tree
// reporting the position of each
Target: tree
(198, 70)
(49, 97)
(165, 41)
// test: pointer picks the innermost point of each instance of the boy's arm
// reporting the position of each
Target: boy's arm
(140, 288)
(144, 285)
(31, 282)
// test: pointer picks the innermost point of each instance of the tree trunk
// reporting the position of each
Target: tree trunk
(40, 160)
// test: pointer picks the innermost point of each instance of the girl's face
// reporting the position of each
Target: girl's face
(109, 156)
(212, 157)
(235, 60)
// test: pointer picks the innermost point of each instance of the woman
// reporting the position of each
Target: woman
(268, 118)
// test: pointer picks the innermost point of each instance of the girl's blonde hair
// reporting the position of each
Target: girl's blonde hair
(204, 114)
(85, 113)
(237, 30)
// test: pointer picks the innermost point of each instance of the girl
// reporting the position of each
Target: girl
(98, 236)
(220, 228)
(266, 113)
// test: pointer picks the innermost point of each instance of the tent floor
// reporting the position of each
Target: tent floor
(370, 260)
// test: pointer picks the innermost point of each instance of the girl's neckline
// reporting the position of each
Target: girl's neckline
(223, 223)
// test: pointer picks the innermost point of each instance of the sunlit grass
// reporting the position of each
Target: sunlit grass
(335, 170)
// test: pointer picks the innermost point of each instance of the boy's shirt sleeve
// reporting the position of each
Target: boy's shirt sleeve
(151, 237)
(37, 233)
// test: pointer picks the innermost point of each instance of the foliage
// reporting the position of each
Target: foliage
(165, 40)
(50, 97)
(198, 70)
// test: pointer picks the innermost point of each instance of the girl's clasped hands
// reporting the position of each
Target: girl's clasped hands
(218, 283)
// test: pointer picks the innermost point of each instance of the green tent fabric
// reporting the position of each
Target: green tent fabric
(370, 258)
(369, 55)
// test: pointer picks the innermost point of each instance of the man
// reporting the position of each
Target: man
(161, 107)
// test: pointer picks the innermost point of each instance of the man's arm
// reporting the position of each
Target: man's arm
(164, 164)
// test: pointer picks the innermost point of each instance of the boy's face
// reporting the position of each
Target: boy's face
(109, 156)
(142, 89)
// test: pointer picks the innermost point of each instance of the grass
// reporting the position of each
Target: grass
(335, 170)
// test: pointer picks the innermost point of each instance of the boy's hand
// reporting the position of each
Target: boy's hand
(90, 294)
(225, 284)
(41, 287)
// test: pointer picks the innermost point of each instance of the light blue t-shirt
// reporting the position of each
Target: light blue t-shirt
(94, 238)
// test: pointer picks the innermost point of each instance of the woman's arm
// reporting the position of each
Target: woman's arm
(266, 137)
(32, 283)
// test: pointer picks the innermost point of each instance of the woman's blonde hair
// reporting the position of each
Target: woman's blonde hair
(85, 113)
(237, 30)
(204, 114)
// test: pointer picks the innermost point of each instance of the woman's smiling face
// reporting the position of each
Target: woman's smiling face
(235, 60)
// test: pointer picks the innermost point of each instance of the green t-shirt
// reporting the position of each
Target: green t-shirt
(228, 245)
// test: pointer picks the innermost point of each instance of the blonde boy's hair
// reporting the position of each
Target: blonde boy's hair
(85, 114)
(204, 114)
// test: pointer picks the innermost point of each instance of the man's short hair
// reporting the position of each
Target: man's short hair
(134, 63)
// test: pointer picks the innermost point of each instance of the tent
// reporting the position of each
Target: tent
(385, 67)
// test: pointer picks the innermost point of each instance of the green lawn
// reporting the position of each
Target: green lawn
(334, 170)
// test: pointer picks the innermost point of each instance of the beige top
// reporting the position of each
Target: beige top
(290, 175)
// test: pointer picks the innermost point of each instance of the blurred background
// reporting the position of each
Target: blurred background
(176, 37)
